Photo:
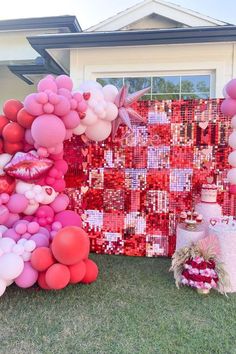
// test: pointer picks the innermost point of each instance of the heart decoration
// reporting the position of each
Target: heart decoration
(203, 125)
(86, 95)
(48, 191)
(84, 189)
(84, 165)
(213, 222)
(82, 115)
(83, 217)
(210, 180)
(84, 152)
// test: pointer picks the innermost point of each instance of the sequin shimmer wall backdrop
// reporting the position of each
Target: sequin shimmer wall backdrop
(131, 190)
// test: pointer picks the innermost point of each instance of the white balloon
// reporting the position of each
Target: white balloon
(111, 112)
(30, 245)
(231, 176)
(86, 86)
(31, 209)
(99, 131)
(22, 241)
(26, 256)
(110, 92)
(232, 140)
(232, 158)
(9, 282)
(11, 266)
(18, 249)
(80, 129)
(49, 195)
(95, 94)
(22, 187)
(2, 287)
(3, 229)
(7, 244)
(233, 122)
(4, 159)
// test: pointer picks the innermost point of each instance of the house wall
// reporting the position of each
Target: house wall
(219, 59)
(12, 87)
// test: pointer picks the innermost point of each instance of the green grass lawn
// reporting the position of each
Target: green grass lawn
(134, 307)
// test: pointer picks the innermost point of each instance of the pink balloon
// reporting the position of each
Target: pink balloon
(110, 92)
(82, 106)
(42, 97)
(61, 165)
(68, 218)
(45, 211)
(64, 81)
(48, 83)
(63, 107)
(90, 118)
(32, 106)
(64, 92)
(4, 214)
(12, 218)
(56, 157)
(60, 203)
(59, 185)
(40, 239)
(232, 158)
(71, 120)
(231, 88)
(48, 108)
(111, 111)
(28, 277)
(33, 227)
(228, 107)
(232, 140)
(48, 130)
(17, 203)
(69, 134)
(28, 137)
(78, 96)
(11, 233)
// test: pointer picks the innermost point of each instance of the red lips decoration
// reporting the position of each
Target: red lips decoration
(27, 166)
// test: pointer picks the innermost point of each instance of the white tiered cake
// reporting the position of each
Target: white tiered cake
(208, 207)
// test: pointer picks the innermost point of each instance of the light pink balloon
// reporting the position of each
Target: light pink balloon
(111, 111)
(68, 218)
(71, 120)
(64, 81)
(60, 203)
(232, 158)
(12, 218)
(48, 108)
(90, 118)
(17, 203)
(11, 266)
(63, 107)
(233, 122)
(48, 83)
(228, 107)
(28, 277)
(11, 233)
(41, 97)
(110, 92)
(99, 131)
(40, 239)
(28, 137)
(32, 106)
(231, 176)
(48, 130)
(80, 129)
(69, 134)
(64, 92)
(82, 106)
(232, 140)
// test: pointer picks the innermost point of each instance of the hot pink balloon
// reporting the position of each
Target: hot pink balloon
(68, 218)
(60, 203)
(28, 277)
(61, 165)
(17, 203)
(48, 130)
(59, 185)
(45, 211)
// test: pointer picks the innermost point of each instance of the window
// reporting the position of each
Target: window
(165, 87)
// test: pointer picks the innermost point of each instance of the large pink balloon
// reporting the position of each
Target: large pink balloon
(99, 131)
(28, 277)
(68, 218)
(48, 130)
(17, 203)
(63, 107)
(228, 107)
(60, 203)
(71, 120)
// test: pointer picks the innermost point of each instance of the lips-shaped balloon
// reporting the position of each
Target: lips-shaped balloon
(27, 166)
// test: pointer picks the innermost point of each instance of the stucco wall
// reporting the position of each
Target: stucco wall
(219, 59)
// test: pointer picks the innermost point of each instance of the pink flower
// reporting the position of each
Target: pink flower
(198, 259)
(206, 272)
(194, 271)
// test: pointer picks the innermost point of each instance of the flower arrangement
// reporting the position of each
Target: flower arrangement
(199, 267)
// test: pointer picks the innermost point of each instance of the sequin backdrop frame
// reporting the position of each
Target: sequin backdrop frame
(131, 190)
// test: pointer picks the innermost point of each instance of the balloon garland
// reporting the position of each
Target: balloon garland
(228, 107)
(40, 240)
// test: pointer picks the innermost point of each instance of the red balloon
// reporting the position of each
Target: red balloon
(12, 148)
(42, 282)
(7, 184)
(13, 133)
(70, 245)
(1, 146)
(91, 272)
(77, 272)
(3, 121)
(57, 276)
(42, 259)
(11, 108)
(24, 118)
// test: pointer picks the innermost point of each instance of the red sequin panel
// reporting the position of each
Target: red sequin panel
(131, 190)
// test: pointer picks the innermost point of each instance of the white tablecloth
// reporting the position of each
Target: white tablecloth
(187, 237)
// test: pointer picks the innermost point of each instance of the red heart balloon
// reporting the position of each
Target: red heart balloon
(7, 184)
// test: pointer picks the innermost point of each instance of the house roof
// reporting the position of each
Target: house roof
(163, 8)
(66, 23)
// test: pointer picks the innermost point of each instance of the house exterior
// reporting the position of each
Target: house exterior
(178, 52)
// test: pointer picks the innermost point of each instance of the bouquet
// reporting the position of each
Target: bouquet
(199, 267)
